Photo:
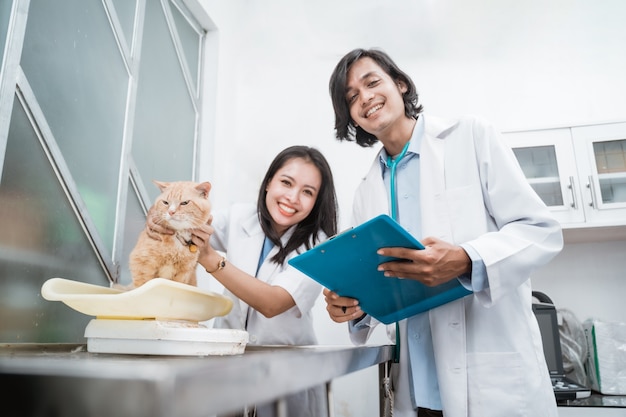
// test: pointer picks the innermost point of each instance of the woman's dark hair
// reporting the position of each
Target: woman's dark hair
(344, 126)
(323, 216)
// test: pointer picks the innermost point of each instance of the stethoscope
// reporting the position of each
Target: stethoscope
(392, 163)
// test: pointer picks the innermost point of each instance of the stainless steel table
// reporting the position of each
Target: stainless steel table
(64, 380)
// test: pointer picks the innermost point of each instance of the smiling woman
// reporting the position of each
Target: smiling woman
(296, 208)
(246, 249)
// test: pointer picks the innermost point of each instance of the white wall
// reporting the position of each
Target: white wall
(519, 64)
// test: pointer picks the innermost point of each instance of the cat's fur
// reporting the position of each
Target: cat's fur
(182, 206)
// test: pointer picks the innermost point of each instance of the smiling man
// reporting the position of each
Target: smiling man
(458, 188)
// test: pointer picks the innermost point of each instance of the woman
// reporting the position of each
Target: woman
(296, 208)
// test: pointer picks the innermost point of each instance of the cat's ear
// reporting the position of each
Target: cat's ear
(162, 185)
(204, 189)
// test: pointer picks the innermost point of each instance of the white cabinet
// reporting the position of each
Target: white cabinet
(578, 171)
(601, 160)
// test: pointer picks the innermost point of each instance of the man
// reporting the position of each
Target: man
(459, 189)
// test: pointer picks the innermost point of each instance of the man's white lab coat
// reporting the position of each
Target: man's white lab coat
(487, 346)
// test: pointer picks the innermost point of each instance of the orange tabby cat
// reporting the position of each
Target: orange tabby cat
(182, 206)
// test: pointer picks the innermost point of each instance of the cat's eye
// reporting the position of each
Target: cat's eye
(184, 203)
(166, 203)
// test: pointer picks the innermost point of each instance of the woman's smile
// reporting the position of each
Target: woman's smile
(286, 210)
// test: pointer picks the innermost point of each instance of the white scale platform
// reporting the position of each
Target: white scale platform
(159, 337)
(161, 317)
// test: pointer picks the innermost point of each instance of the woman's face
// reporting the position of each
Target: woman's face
(374, 98)
(292, 192)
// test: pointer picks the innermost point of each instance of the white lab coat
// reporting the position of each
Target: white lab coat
(238, 233)
(487, 346)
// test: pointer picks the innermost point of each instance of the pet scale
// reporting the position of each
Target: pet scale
(162, 317)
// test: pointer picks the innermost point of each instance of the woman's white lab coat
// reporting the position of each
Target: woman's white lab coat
(238, 233)
(487, 346)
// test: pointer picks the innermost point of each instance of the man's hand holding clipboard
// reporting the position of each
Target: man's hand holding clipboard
(363, 264)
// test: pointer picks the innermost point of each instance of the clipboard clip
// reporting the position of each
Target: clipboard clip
(339, 233)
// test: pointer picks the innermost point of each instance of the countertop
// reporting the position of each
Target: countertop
(65, 380)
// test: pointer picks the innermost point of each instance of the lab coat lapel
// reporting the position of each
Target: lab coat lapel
(447, 325)
(373, 202)
(433, 163)
(251, 244)
(269, 269)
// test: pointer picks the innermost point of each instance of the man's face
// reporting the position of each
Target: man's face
(374, 98)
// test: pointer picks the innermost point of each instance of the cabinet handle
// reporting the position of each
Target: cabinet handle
(592, 191)
(572, 192)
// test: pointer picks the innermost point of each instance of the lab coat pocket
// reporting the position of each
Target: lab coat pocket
(468, 217)
(496, 385)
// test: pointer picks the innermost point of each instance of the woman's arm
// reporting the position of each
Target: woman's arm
(269, 300)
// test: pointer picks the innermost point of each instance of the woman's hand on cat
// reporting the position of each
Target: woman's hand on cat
(155, 230)
(207, 257)
(200, 236)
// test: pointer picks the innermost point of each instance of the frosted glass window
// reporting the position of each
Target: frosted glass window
(125, 10)
(135, 223)
(190, 40)
(5, 14)
(82, 93)
(41, 238)
(78, 87)
(165, 122)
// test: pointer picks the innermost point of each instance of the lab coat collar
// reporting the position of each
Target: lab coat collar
(430, 147)
(437, 127)
(414, 145)
(252, 227)
(426, 126)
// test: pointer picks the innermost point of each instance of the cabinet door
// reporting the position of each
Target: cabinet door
(547, 159)
(601, 151)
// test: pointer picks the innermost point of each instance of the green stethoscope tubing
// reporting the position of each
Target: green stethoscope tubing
(392, 163)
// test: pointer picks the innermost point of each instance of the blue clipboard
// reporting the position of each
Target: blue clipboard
(347, 264)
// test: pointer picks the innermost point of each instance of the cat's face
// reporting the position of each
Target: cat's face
(292, 192)
(183, 204)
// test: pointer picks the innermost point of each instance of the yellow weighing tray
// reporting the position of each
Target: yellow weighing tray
(159, 318)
